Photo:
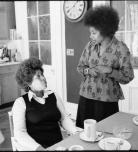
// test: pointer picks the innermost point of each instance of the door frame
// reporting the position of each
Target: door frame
(71, 108)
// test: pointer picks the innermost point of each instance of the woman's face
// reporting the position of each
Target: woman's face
(39, 82)
(95, 35)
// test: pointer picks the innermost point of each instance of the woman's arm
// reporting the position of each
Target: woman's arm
(19, 122)
(66, 122)
(83, 65)
(125, 73)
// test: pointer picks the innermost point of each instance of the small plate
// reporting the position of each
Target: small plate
(99, 136)
(124, 145)
(135, 120)
(76, 147)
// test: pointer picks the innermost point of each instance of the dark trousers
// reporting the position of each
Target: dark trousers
(94, 109)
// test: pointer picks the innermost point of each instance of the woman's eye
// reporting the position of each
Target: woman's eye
(93, 33)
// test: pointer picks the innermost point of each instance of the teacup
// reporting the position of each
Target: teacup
(90, 129)
(76, 147)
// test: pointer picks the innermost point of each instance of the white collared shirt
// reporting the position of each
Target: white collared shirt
(38, 99)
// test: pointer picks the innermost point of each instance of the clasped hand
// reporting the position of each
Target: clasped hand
(100, 69)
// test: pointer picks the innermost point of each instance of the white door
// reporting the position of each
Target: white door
(53, 72)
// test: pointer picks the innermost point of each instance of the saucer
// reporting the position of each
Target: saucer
(85, 138)
(123, 144)
(60, 148)
(135, 120)
(76, 147)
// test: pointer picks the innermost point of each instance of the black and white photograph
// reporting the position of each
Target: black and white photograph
(68, 75)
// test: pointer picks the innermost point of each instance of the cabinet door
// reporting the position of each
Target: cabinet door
(10, 90)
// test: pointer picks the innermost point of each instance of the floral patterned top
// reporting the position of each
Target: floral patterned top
(105, 87)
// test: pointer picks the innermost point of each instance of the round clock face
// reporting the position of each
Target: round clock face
(74, 10)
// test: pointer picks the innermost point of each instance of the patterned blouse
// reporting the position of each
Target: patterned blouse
(105, 87)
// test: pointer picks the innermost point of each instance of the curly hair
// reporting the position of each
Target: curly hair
(103, 18)
(26, 71)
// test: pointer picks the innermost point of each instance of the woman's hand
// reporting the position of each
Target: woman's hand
(93, 72)
(103, 69)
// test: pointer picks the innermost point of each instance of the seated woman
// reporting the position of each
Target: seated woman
(36, 114)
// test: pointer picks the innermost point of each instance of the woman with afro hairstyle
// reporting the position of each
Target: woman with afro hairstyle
(104, 65)
(37, 115)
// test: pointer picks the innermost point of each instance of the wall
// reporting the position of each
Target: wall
(7, 17)
(76, 37)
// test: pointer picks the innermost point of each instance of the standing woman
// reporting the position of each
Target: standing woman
(105, 63)
(37, 115)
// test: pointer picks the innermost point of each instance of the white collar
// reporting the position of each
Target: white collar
(39, 99)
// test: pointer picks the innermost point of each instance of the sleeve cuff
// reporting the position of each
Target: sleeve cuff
(114, 73)
(86, 71)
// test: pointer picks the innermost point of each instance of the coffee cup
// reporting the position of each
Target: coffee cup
(90, 129)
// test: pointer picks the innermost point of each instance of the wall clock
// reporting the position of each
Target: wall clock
(74, 10)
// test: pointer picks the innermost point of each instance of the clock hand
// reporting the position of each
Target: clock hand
(72, 7)
(75, 3)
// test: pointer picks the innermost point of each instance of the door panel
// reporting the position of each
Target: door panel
(76, 36)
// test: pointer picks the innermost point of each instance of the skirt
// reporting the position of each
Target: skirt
(94, 109)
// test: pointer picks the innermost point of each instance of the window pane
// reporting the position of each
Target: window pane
(33, 49)
(132, 15)
(45, 48)
(43, 7)
(31, 8)
(120, 7)
(33, 28)
(132, 41)
(44, 24)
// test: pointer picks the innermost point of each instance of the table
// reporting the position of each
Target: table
(106, 125)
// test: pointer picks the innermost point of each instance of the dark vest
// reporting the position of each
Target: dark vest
(42, 120)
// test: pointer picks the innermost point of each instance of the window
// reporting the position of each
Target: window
(128, 27)
(39, 32)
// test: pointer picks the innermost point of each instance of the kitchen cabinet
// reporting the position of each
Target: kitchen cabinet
(128, 32)
(7, 19)
(9, 89)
